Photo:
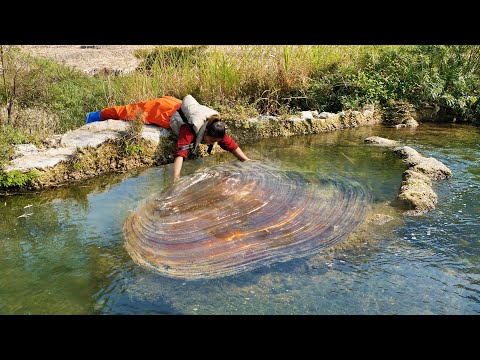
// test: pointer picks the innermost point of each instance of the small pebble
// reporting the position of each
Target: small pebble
(195, 309)
(247, 298)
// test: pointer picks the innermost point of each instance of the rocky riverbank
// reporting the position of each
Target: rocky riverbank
(101, 147)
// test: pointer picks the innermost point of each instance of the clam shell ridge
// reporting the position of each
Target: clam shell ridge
(239, 216)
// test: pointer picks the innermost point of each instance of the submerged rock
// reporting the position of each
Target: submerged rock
(418, 194)
(376, 140)
(380, 219)
(411, 122)
(430, 166)
(239, 216)
(416, 191)
(408, 154)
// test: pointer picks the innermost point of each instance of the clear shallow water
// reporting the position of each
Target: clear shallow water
(68, 257)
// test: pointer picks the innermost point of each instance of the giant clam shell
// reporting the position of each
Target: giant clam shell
(239, 216)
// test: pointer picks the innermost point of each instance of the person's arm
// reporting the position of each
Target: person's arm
(239, 154)
(177, 168)
(229, 144)
(186, 137)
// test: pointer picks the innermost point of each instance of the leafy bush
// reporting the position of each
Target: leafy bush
(444, 75)
(18, 178)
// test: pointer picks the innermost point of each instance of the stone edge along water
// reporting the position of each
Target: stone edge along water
(416, 188)
(96, 148)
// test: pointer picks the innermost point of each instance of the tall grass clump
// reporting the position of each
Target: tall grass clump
(270, 79)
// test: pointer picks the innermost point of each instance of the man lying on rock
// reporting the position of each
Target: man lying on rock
(191, 122)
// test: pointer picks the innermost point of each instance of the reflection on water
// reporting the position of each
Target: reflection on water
(68, 257)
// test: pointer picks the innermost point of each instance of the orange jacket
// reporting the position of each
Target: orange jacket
(156, 111)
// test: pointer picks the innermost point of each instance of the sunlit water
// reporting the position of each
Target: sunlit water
(68, 257)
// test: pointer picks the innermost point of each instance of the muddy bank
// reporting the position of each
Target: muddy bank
(102, 147)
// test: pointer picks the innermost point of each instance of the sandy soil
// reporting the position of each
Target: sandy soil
(116, 59)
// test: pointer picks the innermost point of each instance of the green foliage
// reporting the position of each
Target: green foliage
(444, 75)
(66, 92)
(18, 178)
(132, 149)
(70, 94)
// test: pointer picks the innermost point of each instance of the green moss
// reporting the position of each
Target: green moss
(18, 178)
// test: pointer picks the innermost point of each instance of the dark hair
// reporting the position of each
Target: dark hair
(216, 129)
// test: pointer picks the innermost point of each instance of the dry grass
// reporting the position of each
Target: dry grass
(35, 122)
(266, 77)
(117, 59)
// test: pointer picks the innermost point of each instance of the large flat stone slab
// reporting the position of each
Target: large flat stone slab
(89, 135)
(41, 159)
(96, 133)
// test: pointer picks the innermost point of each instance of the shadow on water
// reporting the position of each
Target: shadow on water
(66, 254)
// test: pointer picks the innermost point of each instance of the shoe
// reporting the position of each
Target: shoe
(94, 116)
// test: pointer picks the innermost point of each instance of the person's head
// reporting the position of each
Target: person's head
(215, 130)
